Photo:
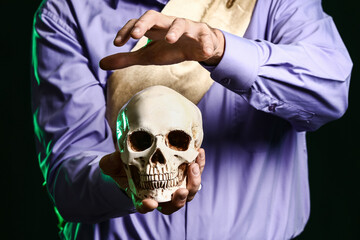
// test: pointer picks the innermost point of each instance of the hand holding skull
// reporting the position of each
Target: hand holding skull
(159, 134)
(174, 40)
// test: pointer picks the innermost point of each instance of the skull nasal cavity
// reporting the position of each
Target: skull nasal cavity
(158, 157)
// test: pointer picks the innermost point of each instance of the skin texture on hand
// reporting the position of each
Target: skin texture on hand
(112, 165)
(174, 40)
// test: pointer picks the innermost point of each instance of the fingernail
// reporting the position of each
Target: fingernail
(136, 30)
(202, 154)
(170, 35)
(117, 39)
(182, 197)
(196, 170)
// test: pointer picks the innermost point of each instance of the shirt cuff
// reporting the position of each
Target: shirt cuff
(239, 65)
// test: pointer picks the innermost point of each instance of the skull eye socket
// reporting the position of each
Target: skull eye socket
(140, 141)
(178, 140)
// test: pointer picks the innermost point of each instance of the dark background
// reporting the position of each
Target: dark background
(26, 210)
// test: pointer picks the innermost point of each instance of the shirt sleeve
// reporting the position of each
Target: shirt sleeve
(71, 131)
(300, 73)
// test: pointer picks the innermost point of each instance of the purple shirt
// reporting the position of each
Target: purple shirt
(288, 75)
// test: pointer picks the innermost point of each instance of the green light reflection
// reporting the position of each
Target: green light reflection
(122, 126)
(137, 202)
(70, 230)
(61, 223)
(39, 133)
(35, 37)
(42, 156)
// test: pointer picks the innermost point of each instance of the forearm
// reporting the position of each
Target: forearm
(302, 77)
(82, 193)
(72, 132)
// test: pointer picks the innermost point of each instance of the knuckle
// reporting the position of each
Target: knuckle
(206, 53)
(190, 199)
(179, 21)
(139, 23)
(132, 20)
(201, 161)
(206, 37)
(204, 27)
(202, 153)
(191, 36)
(194, 186)
(202, 165)
(179, 204)
(150, 12)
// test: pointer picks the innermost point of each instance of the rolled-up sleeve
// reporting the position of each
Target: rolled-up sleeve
(300, 71)
(72, 133)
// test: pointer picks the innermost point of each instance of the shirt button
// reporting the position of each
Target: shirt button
(272, 107)
(225, 81)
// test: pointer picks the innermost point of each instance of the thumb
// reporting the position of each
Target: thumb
(120, 60)
(112, 165)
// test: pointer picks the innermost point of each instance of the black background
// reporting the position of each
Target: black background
(26, 210)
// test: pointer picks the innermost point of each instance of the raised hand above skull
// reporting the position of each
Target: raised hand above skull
(158, 133)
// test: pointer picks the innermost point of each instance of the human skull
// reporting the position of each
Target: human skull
(159, 133)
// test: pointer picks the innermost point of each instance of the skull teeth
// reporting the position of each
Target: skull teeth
(153, 184)
(158, 177)
(150, 170)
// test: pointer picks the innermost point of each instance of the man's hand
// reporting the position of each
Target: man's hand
(174, 40)
(112, 165)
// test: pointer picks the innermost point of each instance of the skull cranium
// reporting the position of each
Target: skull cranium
(158, 133)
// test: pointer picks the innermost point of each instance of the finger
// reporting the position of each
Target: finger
(111, 164)
(201, 159)
(218, 46)
(147, 21)
(179, 198)
(178, 201)
(207, 45)
(120, 60)
(123, 34)
(146, 205)
(194, 180)
(176, 30)
(165, 54)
